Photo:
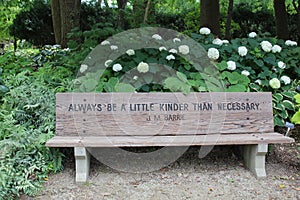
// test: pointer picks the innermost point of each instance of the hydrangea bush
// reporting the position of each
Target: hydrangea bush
(243, 64)
(269, 63)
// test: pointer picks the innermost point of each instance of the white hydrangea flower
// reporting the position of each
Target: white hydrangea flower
(130, 52)
(170, 57)
(157, 37)
(176, 40)
(231, 65)
(290, 43)
(107, 63)
(162, 48)
(173, 51)
(258, 81)
(143, 67)
(117, 67)
(105, 42)
(252, 35)
(213, 53)
(135, 78)
(184, 49)
(274, 83)
(266, 46)
(281, 65)
(225, 41)
(83, 68)
(217, 41)
(242, 50)
(276, 48)
(114, 47)
(204, 31)
(245, 72)
(286, 80)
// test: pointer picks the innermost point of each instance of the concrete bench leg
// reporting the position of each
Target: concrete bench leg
(255, 157)
(82, 159)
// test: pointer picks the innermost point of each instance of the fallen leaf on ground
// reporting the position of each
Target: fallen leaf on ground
(136, 183)
(281, 186)
(105, 194)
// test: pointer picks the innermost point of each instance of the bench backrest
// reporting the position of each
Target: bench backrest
(148, 114)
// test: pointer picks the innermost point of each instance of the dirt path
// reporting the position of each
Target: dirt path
(220, 175)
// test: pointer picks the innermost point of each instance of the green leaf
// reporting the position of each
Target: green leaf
(124, 87)
(243, 80)
(254, 87)
(110, 85)
(148, 77)
(221, 66)
(182, 76)
(283, 114)
(236, 88)
(278, 121)
(296, 118)
(174, 84)
(3, 89)
(297, 97)
(278, 96)
(270, 59)
(279, 106)
(259, 62)
(288, 104)
(89, 85)
(288, 94)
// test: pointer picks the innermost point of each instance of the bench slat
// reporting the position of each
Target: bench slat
(179, 140)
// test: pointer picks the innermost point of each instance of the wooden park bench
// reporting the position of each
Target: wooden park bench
(88, 120)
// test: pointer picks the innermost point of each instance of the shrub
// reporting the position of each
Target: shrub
(35, 24)
(244, 64)
(27, 121)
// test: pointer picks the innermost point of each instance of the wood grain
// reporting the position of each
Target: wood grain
(71, 122)
(182, 140)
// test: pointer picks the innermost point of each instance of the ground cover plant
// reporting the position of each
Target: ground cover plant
(27, 114)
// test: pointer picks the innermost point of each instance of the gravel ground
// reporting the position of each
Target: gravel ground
(220, 175)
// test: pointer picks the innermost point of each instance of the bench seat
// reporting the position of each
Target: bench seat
(179, 140)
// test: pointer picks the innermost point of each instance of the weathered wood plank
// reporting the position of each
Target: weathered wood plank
(123, 114)
(180, 140)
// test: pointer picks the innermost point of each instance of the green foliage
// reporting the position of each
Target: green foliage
(35, 24)
(262, 66)
(258, 16)
(296, 117)
(7, 14)
(27, 120)
(252, 72)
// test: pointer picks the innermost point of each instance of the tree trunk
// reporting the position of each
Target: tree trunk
(228, 21)
(147, 12)
(121, 10)
(210, 15)
(66, 16)
(297, 8)
(281, 19)
(139, 12)
(55, 9)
